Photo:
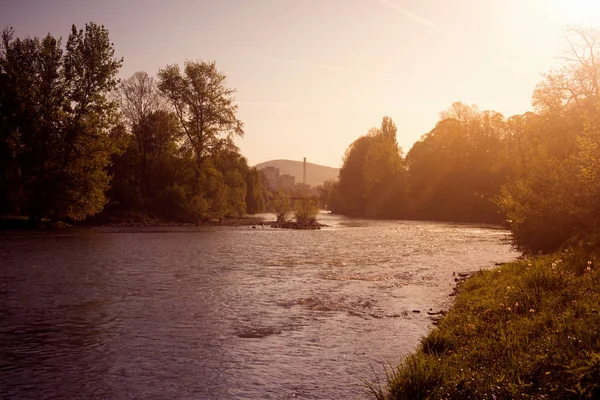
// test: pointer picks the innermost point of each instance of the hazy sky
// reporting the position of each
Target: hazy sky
(313, 75)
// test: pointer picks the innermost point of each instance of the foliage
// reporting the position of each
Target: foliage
(371, 174)
(281, 206)
(255, 192)
(527, 329)
(160, 159)
(329, 195)
(453, 170)
(553, 198)
(56, 122)
(537, 172)
(452, 173)
(352, 185)
(306, 209)
(171, 203)
(203, 104)
(383, 175)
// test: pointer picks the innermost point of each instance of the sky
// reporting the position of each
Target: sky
(311, 76)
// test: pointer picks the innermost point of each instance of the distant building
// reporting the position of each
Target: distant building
(286, 181)
(277, 181)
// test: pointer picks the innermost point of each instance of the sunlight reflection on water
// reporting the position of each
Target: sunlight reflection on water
(224, 313)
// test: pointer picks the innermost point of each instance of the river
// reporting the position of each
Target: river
(225, 312)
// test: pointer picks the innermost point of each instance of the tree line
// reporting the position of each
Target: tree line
(75, 140)
(539, 172)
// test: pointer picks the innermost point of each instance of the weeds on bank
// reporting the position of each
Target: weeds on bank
(528, 329)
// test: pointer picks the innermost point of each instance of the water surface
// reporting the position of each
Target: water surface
(224, 313)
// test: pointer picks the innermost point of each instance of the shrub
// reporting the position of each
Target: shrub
(281, 206)
(306, 209)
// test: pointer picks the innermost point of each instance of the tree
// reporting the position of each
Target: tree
(138, 96)
(577, 83)
(255, 192)
(352, 184)
(371, 177)
(154, 129)
(59, 117)
(454, 170)
(306, 209)
(388, 129)
(156, 136)
(281, 206)
(382, 170)
(185, 159)
(203, 104)
(554, 197)
(329, 195)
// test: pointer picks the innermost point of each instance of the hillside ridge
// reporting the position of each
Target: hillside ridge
(316, 174)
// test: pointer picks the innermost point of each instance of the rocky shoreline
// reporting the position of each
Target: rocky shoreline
(459, 280)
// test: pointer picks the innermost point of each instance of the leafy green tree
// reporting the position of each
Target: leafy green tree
(203, 104)
(329, 195)
(383, 176)
(372, 175)
(156, 136)
(153, 129)
(255, 192)
(388, 130)
(232, 168)
(58, 119)
(352, 185)
(553, 198)
(454, 170)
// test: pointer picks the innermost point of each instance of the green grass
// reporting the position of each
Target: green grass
(528, 329)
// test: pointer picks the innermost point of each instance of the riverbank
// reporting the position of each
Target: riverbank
(18, 223)
(526, 329)
(129, 220)
(137, 220)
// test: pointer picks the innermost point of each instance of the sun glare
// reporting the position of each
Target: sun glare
(578, 12)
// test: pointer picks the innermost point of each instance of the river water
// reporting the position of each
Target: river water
(224, 312)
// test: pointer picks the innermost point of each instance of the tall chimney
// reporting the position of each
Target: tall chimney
(304, 171)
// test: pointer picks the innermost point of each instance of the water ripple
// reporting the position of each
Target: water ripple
(224, 313)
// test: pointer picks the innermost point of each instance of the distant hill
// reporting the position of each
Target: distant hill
(315, 174)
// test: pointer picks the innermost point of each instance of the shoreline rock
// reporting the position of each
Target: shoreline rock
(459, 279)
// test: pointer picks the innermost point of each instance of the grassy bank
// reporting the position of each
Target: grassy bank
(528, 329)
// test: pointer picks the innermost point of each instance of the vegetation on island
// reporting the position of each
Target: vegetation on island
(304, 209)
(527, 329)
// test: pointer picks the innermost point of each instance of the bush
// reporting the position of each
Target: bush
(306, 209)
(281, 206)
